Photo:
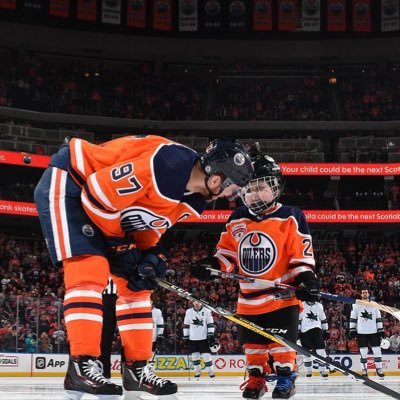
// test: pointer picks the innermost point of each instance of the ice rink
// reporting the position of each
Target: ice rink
(222, 388)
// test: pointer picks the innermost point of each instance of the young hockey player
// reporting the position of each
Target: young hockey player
(267, 240)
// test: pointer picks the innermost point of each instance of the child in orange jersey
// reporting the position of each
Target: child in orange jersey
(267, 240)
(103, 208)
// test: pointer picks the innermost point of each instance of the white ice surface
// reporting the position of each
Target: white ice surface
(314, 388)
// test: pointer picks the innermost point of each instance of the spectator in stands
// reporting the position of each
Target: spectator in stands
(10, 340)
(44, 343)
(394, 341)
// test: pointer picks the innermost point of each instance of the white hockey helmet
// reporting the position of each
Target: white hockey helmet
(385, 344)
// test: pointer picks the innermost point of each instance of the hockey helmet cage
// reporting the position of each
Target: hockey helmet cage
(265, 187)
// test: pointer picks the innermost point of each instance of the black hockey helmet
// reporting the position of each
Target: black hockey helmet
(228, 158)
(265, 186)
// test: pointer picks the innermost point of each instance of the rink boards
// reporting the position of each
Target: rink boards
(18, 364)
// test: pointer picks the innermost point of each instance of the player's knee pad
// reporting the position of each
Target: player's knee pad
(206, 357)
(196, 358)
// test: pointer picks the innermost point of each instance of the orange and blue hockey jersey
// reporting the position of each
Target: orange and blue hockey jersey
(275, 246)
(131, 185)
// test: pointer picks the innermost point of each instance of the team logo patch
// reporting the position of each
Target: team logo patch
(238, 230)
(257, 252)
(141, 219)
(88, 230)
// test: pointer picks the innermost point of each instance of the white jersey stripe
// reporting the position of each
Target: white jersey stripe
(83, 316)
(135, 304)
(82, 293)
(283, 349)
(53, 219)
(255, 351)
(63, 214)
(96, 211)
(132, 327)
(256, 302)
(99, 192)
(79, 156)
(309, 260)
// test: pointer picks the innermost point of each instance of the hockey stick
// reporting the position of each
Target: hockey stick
(189, 364)
(275, 337)
(329, 296)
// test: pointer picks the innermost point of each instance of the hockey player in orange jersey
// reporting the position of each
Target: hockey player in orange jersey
(267, 240)
(103, 208)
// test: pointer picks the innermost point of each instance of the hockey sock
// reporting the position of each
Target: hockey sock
(378, 356)
(85, 278)
(322, 353)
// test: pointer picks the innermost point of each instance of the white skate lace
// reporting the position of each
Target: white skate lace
(151, 377)
(94, 370)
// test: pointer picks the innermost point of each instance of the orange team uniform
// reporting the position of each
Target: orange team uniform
(274, 246)
(121, 173)
(128, 186)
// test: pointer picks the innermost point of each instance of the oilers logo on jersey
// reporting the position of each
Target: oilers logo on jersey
(140, 218)
(257, 252)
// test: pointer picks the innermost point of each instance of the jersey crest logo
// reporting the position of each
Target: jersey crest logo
(311, 316)
(366, 315)
(197, 322)
(142, 219)
(257, 252)
(238, 230)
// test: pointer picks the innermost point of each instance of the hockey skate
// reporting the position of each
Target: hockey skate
(254, 387)
(285, 387)
(364, 373)
(324, 375)
(212, 375)
(309, 375)
(85, 375)
(379, 372)
(197, 376)
(139, 377)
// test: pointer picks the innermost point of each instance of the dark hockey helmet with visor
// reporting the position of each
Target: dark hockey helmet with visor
(265, 186)
(230, 160)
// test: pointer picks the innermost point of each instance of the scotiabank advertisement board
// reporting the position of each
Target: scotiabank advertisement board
(221, 216)
(171, 365)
